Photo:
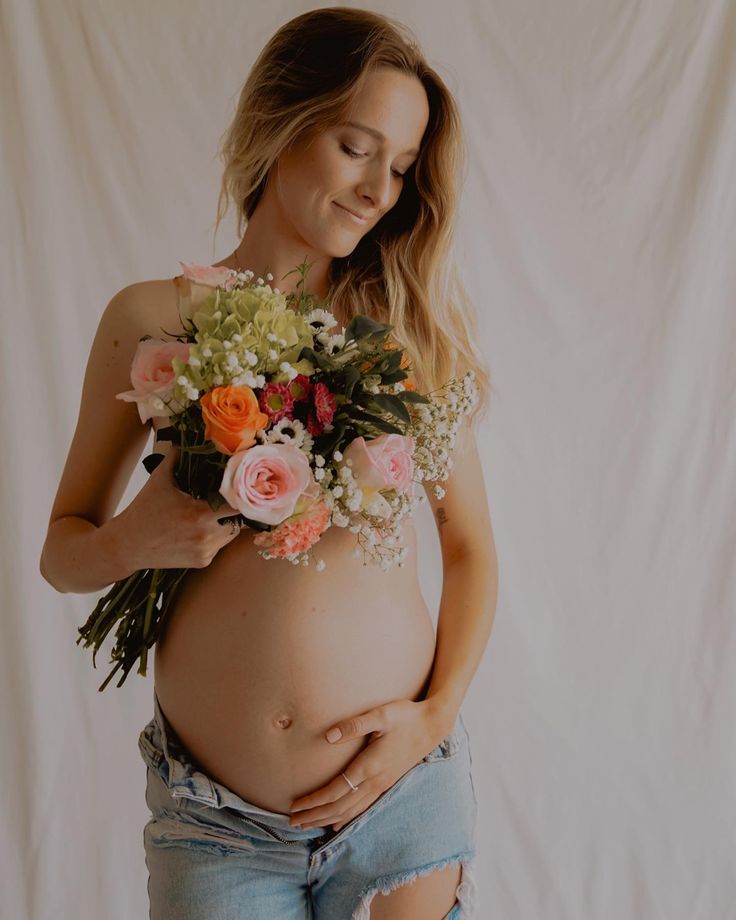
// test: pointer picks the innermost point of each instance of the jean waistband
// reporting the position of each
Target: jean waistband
(184, 778)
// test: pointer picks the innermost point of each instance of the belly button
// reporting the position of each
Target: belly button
(283, 722)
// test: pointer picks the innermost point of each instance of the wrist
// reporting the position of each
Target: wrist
(116, 543)
(442, 712)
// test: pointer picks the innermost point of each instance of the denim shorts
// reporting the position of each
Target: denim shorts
(211, 855)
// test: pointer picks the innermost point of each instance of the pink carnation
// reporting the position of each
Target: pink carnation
(296, 534)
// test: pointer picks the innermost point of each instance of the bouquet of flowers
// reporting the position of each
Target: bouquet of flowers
(297, 423)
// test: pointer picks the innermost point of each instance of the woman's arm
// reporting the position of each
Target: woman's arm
(470, 580)
(84, 551)
(464, 624)
(82, 558)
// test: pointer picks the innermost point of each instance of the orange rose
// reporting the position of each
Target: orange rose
(231, 418)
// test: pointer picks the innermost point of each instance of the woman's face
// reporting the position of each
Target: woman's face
(349, 169)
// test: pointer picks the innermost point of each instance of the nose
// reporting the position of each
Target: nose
(377, 188)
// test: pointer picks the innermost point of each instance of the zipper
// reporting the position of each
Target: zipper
(269, 830)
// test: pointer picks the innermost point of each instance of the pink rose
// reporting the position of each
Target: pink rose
(384, 462)
(208, 275)
(265, 482)
(152, 376)
(196, 284)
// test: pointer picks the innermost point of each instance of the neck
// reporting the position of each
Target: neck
(261, 252)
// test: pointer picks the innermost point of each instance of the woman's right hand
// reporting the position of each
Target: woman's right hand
(164, 528)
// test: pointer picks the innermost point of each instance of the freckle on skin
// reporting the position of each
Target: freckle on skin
(115, 342)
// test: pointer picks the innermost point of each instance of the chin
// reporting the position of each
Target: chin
(341, 250)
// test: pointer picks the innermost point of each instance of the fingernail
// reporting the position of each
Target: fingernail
(333, 734)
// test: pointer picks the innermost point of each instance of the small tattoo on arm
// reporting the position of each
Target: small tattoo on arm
(441, 516)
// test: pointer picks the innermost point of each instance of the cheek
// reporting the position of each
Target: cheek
(296, 194)
(307, 196)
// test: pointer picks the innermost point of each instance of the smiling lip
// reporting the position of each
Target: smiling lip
(362, 220)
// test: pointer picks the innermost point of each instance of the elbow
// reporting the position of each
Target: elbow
(42, 567)
(43, 570)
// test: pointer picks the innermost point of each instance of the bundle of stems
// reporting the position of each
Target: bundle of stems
(139, 603)
(133, 604)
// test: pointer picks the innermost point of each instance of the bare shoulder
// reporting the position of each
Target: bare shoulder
(110, 437)
(151, 305)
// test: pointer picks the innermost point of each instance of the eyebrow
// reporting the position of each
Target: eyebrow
(377, 134)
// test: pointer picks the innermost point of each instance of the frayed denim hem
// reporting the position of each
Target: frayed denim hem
(465, 894)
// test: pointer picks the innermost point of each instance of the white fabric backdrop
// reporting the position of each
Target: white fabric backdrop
(597, 233)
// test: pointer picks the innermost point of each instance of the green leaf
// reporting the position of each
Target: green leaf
(362, 327)
(412, 396)
(208, 448)
(366, 419)
(393, 362)
(386, 427)
(392, 405)
(394, 376)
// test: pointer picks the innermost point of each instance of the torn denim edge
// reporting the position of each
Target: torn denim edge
(465, 893)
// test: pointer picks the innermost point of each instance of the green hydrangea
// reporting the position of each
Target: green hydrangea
(239, 336)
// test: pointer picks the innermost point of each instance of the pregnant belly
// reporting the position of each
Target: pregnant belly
(259, 658)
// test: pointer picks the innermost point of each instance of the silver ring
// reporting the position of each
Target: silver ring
(348, 782)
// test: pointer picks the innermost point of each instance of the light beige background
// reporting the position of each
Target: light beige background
(597, 234)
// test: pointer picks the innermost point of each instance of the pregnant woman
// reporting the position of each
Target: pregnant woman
(307, 756)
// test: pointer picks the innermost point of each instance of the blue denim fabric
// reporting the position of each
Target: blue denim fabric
(213, 856)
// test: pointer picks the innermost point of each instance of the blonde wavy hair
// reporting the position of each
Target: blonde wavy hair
(402, 271)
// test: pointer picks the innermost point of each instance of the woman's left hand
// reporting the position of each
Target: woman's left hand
(404, 732)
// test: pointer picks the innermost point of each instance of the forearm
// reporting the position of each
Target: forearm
(465, 620)
(79, 557)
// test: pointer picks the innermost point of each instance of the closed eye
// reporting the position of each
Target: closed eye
(357, 154)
